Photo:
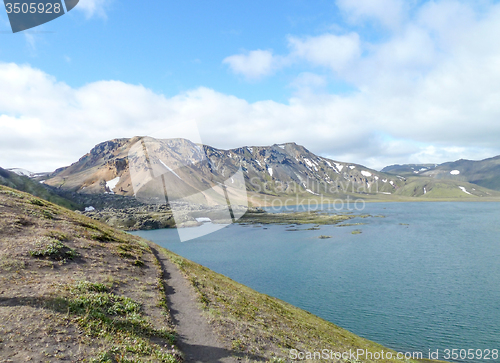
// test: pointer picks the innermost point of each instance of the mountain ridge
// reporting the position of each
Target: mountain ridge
(286, 168)
(484, 173)
(275, 171)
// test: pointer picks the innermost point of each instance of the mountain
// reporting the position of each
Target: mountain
(285, 169)
(277, 171)
(22, 172)
(484, 173)
(408, 170)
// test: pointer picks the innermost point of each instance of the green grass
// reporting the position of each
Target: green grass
(11, 264)
(313, 217)
(102, 314)
(25, 184)
(54, 248)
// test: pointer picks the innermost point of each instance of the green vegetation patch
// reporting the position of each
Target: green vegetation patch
(11, 263)
(314, 217)
(55, 234)
(38, 202)
(53, 248)
(12, 193)
(118, 319)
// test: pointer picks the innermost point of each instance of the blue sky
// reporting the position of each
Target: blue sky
(167, 46)
(375, 82)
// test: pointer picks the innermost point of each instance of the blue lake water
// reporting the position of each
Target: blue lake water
(425, 277)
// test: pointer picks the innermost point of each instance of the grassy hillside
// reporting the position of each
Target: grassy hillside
(484, 173)
(430, 189)
(30, 186)
(75, 289)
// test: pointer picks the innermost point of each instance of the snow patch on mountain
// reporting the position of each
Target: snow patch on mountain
(22, 172)
(339, 166)
(112, 184)
(464, 190)
(169, 169)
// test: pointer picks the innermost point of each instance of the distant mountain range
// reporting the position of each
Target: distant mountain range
(280, 170)
(485, 173)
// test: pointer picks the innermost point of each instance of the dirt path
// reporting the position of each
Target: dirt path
(196, 338)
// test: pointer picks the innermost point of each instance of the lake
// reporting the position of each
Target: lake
(424, 277)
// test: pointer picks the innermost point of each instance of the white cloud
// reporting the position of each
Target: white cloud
(326, 50)
(253, 65)
(428, 93)
(389, 13)
(93, 7)
(329, 50)
(31, 42)
(308, 81)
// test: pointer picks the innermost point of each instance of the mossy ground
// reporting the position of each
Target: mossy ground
(315, 217)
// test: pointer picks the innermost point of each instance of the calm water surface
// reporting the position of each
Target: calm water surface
(427, 276)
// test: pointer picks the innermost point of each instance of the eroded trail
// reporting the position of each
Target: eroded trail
(196, 338)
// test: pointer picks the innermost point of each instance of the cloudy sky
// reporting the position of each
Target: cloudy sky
(376, 82)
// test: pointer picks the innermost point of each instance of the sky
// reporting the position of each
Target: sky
(373, 82)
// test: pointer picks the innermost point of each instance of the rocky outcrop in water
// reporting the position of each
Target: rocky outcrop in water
(146, 217)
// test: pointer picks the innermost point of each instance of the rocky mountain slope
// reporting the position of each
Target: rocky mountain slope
(273, 171)
(276, 170)
(408, 170)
